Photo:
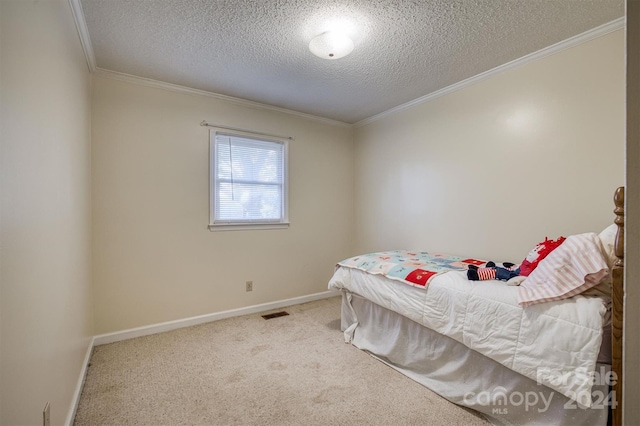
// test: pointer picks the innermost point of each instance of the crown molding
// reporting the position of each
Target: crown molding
(87, 47)
(83, 32)
(594, 33)
(188, 90)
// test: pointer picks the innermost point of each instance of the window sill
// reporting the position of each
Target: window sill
(248, 226)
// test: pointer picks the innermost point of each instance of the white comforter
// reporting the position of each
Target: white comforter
(555, 343)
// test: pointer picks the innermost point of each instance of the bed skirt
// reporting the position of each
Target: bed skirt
(462, 375)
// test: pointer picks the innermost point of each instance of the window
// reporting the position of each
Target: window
(248, 182)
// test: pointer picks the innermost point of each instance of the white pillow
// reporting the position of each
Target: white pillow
(608, 238)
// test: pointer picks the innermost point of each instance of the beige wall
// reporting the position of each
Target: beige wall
(428, 177)
(631, 357)
(493, 168)
(154, 258)
(45, 290)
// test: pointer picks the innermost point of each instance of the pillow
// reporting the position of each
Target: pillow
(574, 267)
(602, 290)
(608, 239)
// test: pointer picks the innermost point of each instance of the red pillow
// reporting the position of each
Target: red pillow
(540, 251)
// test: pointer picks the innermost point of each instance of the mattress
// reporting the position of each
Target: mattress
(557, 344)
(462, 375)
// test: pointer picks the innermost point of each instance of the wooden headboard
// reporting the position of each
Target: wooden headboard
(617, 305)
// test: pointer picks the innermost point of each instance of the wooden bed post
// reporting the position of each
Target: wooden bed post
(617, 305)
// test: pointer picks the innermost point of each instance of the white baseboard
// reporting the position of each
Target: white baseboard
(76, 395)
(117, 336)
(173, 325)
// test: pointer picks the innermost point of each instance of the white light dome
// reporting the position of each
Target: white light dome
(331, 45)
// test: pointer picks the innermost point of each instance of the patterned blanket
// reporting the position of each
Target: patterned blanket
(415, 268)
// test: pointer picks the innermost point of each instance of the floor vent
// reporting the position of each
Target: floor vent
(275, 315)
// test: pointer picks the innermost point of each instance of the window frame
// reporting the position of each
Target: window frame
(237, 225)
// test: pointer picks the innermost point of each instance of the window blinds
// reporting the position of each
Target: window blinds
(249, 180)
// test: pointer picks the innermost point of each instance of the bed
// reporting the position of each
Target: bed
(518, 354)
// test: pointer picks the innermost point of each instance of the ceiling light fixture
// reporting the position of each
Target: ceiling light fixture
(331, 45)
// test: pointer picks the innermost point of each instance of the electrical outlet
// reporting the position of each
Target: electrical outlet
(249, 285)
(46, 416)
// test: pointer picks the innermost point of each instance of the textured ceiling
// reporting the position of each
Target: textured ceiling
(258, 50)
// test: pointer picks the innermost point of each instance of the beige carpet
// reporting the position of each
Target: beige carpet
(292, 370)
